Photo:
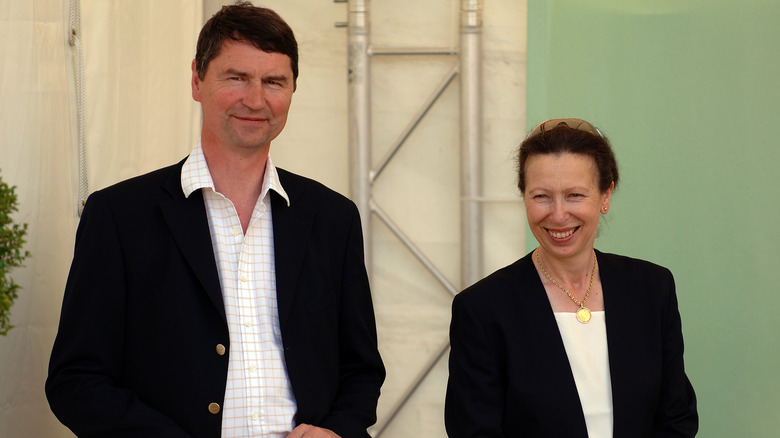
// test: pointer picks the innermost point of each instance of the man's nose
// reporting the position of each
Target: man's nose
(255, 95)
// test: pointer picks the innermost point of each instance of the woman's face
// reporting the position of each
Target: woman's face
(563, 203)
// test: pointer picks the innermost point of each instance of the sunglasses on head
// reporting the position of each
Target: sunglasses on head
(578, 124)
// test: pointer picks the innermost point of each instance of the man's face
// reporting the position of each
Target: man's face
(245, 95)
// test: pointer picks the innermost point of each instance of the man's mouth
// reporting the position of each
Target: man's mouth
(248, 118)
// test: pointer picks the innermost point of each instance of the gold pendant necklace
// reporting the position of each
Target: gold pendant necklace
(583, 313)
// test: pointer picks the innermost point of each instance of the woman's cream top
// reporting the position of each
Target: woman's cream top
(586, 346)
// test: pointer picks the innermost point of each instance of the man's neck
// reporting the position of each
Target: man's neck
(238, 175)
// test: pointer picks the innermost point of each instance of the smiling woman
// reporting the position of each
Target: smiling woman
(524, 345)
(563, 203)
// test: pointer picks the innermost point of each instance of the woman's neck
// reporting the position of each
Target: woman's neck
(571, 271)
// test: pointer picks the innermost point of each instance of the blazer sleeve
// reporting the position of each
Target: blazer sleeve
(361, 371)
(676, 414)
(476, 389)
(86, 364)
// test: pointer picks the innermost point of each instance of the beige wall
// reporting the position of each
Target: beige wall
(140, 116)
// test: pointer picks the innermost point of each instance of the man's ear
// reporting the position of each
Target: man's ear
(195, 83)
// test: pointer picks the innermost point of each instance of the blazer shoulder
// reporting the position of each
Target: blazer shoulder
(651, 282)
(630, 267)
(168, 178)
(505, 281)
(312, 192)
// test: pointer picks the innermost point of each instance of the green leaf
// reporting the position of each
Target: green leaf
(12, 253)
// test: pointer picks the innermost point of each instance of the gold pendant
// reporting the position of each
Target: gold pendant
(583, 315)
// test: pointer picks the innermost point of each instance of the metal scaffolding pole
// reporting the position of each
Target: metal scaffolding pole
(359, 119)
(362, 177)
(471, 140)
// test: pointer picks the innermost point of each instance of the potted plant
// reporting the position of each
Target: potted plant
(11, 252)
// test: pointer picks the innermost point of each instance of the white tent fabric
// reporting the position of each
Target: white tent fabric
(36, 136)
(139, 115)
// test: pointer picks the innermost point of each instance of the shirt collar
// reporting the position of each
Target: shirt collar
(195, 175)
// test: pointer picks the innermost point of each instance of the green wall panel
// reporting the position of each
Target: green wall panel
(688, 92)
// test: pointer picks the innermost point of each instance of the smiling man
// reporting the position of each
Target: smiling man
(221, 296)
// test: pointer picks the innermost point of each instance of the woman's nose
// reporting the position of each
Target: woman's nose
(559, 210)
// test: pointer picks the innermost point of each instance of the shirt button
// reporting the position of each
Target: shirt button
(255, 416)
(214, 408)
(242, 278)
(236, 232)
(220, 349)
(253, 368)
(248, 324)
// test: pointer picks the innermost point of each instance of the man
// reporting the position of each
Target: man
(221, 296)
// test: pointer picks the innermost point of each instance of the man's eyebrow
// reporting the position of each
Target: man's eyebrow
(233, 72)
(277, 78)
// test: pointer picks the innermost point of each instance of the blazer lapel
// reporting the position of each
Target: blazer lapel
(292, 230)
(547, 338)
(187, 221)
(622, 340)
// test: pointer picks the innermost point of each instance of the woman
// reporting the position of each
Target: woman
(568, 341)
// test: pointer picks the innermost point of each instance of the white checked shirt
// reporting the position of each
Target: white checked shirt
(259, 401)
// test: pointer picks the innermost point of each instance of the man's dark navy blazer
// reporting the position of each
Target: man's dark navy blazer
(143, 324)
